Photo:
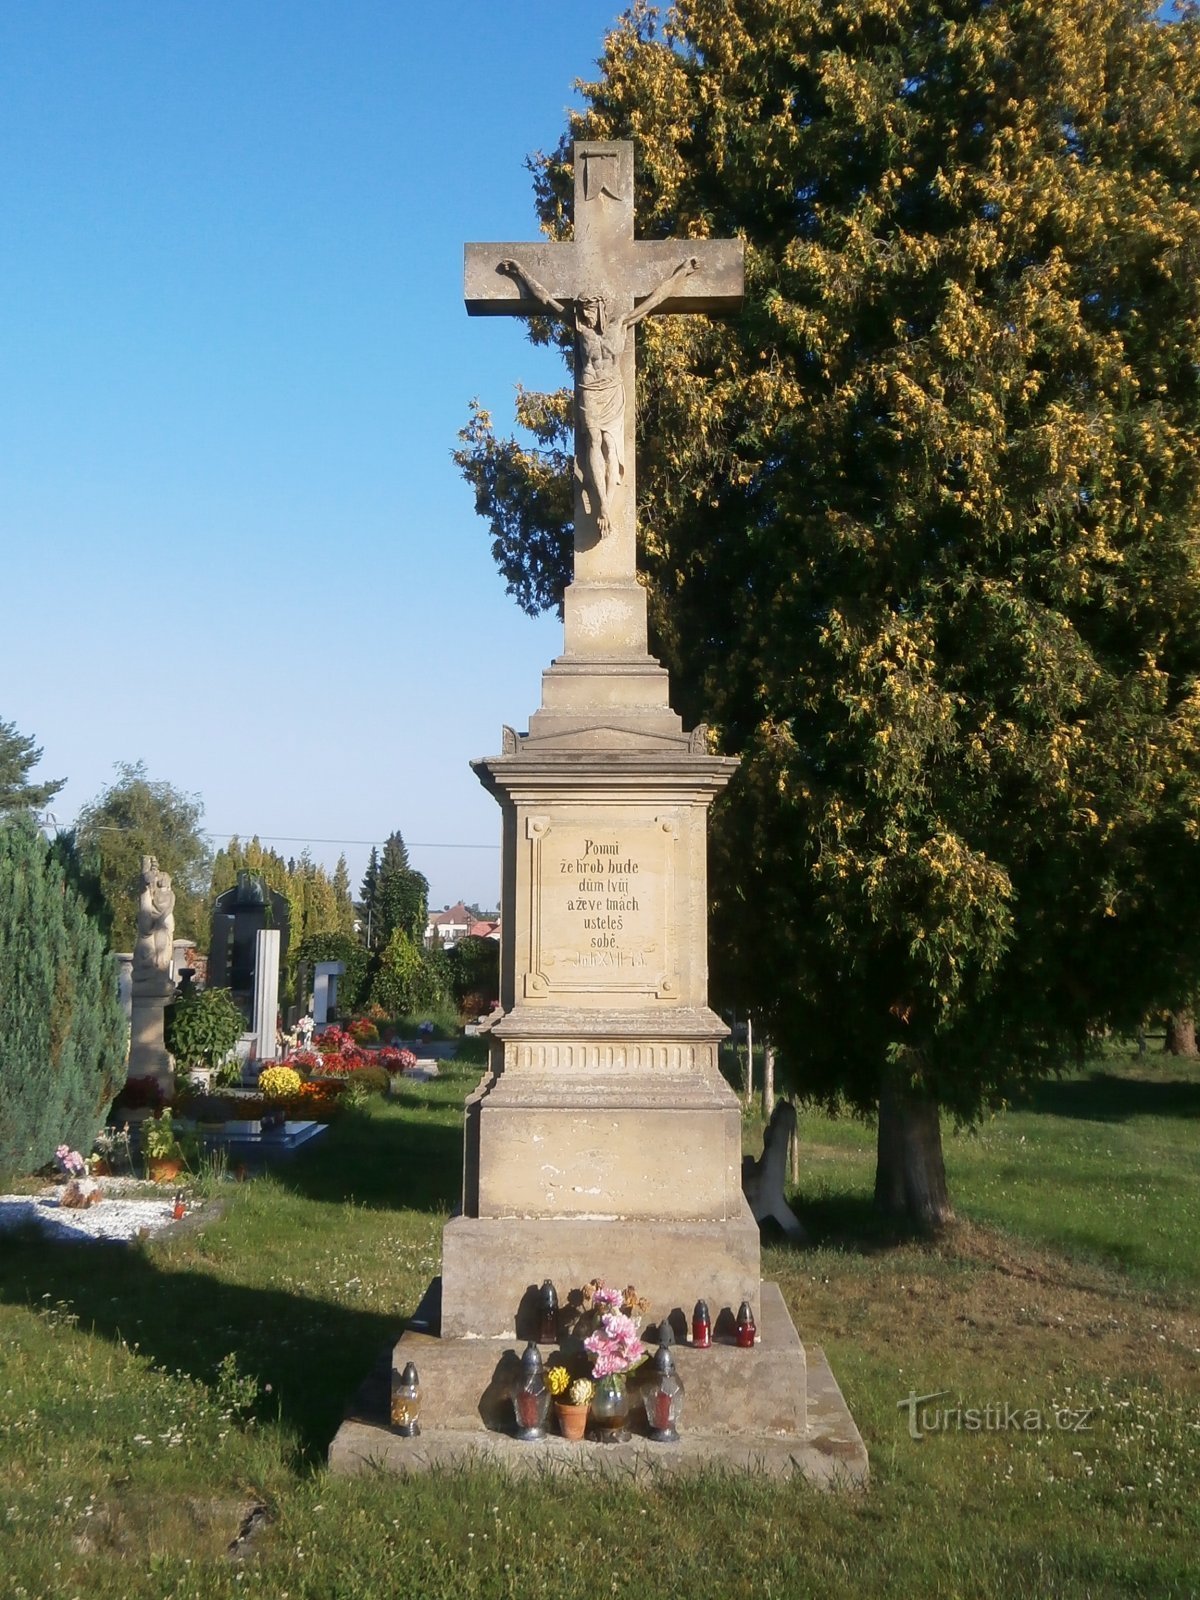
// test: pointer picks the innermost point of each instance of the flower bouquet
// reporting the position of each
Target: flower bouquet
(604, 1319)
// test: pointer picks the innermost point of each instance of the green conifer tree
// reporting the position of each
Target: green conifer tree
(63, 1035)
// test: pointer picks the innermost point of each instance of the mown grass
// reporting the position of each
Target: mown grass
(150, 1396)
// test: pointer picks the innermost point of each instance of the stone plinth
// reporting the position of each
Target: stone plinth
(148, 1057)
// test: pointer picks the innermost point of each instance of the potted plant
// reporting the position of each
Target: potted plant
(572, 1401)
(161, 1148)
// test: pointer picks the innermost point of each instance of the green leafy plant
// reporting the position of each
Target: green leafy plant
(372, 1080)
(160, 1142)
(201, 1029)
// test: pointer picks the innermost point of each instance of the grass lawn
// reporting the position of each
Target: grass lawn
(151, 1396)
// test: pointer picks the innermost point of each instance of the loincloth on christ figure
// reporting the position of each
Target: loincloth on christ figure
(601, 409)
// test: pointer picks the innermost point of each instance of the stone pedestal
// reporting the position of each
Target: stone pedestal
(148, 1057)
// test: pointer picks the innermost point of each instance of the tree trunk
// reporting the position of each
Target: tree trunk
(1181, 1035)
(794, 1154)
(749, 1058)
(768, 1079)
(910, 1174)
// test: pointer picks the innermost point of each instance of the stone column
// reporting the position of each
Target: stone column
(266, 992)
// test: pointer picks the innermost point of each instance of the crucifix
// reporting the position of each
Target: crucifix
(602, 284)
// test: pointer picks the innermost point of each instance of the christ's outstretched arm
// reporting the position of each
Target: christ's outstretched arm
(535, 290)
(653, 301)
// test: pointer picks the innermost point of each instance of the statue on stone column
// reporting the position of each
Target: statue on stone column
(155, 922)
(599, 387)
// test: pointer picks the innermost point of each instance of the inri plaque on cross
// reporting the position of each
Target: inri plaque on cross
(602, 284)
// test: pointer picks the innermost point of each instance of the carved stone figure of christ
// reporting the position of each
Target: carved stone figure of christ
(599, 384)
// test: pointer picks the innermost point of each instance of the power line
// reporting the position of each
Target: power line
(409, 844)
(293, 838)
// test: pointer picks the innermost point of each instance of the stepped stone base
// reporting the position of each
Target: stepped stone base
(775, 1410)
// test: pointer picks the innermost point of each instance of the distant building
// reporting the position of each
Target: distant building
(449, 925)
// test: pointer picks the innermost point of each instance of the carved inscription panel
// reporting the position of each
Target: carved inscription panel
(603, 907)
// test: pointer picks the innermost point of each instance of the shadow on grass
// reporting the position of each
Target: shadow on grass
(847, 1222)
(314, 1354)
(1104, 1097)
(384, 1163)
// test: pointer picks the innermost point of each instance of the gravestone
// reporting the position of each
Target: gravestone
(266, 993)
(602, 1140)
(325, 990)
(239, 916)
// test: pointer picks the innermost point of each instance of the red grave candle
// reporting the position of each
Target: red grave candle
(701, 1326)
(660, 1412)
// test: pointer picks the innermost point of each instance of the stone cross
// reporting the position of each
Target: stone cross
(602, 283)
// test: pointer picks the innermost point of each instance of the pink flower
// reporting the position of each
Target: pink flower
(616, 1347)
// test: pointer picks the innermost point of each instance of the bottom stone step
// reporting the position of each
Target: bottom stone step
(830, 1454)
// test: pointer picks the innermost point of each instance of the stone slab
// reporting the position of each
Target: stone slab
(490, 1264)
(830, 1453)
(245, 1143)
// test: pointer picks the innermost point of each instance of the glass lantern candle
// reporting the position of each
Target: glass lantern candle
(547, 1313)
(531, 1396)
(663, 1398)
(406, 1402)
(701, 1326)
(746, 1330)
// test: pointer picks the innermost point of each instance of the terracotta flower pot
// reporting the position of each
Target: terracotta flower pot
(572, 1420)
(163, 1169)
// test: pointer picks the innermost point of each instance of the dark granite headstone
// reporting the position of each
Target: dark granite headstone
(238, 916)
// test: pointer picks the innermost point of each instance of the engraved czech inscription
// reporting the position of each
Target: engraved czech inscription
(606, 907)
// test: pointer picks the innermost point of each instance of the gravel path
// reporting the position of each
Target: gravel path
(115, 1219)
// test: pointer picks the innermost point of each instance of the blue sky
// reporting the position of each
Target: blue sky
(234, 359)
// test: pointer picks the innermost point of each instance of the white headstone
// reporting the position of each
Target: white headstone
(325, 977)
(266, 992)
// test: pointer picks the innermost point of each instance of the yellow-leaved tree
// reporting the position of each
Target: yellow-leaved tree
(921, 527)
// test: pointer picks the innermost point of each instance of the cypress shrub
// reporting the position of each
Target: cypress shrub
(63, 1035)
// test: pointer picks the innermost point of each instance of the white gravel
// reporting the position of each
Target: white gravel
(114, 1219)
